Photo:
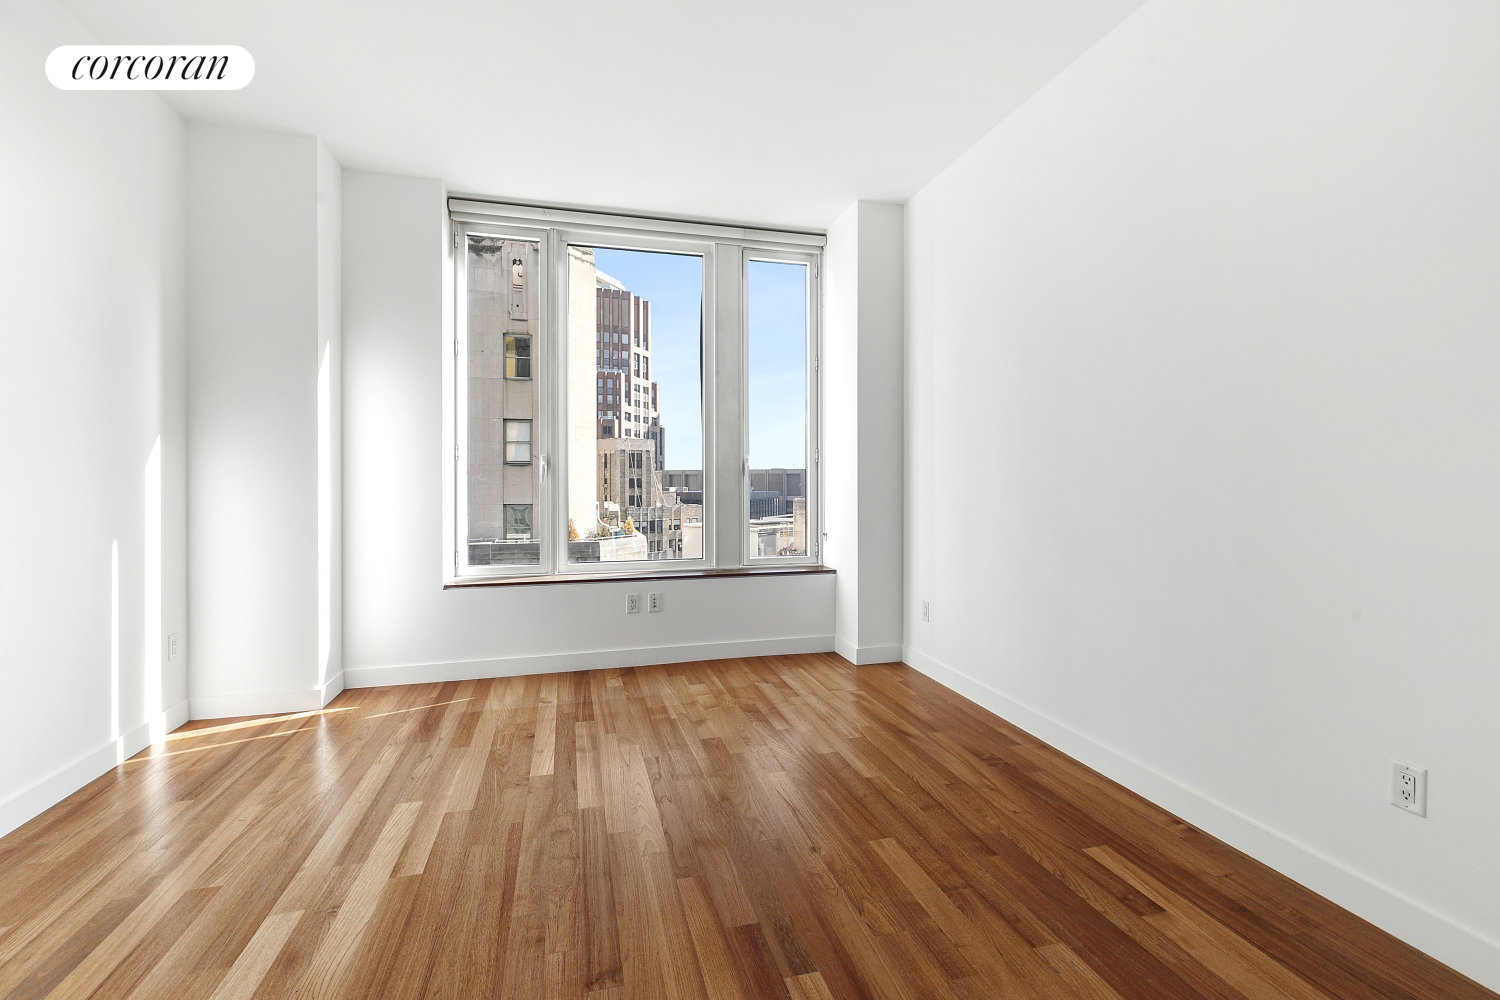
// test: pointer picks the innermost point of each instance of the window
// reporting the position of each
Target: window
(778, 335)
(518, 521)
(517, 356)
(694, 346)
(518, 442)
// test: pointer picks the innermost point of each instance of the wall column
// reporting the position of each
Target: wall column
(863, 460)
(264, 412)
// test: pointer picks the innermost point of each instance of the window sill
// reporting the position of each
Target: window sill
(700, 574)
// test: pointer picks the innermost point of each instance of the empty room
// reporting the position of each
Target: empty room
(1037, 534)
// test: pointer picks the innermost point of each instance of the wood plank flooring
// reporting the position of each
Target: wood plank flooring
(791, 827)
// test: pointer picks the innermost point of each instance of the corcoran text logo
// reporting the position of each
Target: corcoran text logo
(150, 67)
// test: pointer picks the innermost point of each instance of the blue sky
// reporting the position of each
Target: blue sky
(778, 365)
(778, 352)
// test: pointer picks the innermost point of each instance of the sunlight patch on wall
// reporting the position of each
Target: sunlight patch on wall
(152, 602)
(325, 517)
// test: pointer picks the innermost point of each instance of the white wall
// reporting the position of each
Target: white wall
(263, 308)
(863, 442)
(400, 625)
(91, 383)
(1204, 430)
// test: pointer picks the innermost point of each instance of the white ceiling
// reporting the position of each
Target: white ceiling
(772, 112)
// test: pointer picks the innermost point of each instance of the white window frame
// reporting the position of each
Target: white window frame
(726, 253)
(811, 452)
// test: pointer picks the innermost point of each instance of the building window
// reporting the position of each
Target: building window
(518, 442)
(517, 522)
(517, 356)
(536, 304)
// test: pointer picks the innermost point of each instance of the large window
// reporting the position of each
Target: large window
(777, 293)
(648, 304)
(630, 397)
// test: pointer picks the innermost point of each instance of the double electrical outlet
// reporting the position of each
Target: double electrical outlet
(1408, 787)
(654, 603)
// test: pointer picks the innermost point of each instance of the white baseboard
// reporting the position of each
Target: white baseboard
(175, 716)
(859, 655)
(1457, 946)
(515, 666)
(231, 706)
(331, 690)
(35, 799)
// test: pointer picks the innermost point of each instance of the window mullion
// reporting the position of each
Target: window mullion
(555, 485)
(731, 442)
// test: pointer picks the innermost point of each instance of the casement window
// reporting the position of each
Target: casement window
(699, 345)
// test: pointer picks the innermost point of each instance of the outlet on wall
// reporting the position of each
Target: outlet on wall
(925, 618)
(632, 604)
(172, 647)
(654, 602)
(1408, 787)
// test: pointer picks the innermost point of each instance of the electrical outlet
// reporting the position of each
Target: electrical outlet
(172, 646)
(632, 604)
(654, 602)
(1408, 787)
(925, 617)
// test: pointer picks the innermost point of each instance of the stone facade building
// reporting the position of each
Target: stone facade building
(626, 474)
(627, 400)
(503, 481)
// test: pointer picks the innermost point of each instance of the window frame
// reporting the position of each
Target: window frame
(811, 452)
(456, 488)
(507, 441)
(726, 253)
(511, 360)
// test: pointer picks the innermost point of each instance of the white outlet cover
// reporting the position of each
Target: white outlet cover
(632, 604)
(1408, 787)
(654, 602)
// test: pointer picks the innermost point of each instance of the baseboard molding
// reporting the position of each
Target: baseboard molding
(176, 716)
(1457, 946)
(859, 655)
(231, 706)
(35, 799)
(515, 666)
(331, 689)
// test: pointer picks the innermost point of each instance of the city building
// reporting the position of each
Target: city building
(771, 490)
(686, 484)
(776, 534)
(626, 472)
(627, 400)
(503, 481)
(671, 530)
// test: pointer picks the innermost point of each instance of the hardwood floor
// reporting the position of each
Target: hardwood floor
(780, 827)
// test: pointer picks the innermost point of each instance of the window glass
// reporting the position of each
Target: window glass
(517, 521)
(653, 302)
(517, 356)
(503, 314)
(778, 409)
(518, 442)
(573, 449)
